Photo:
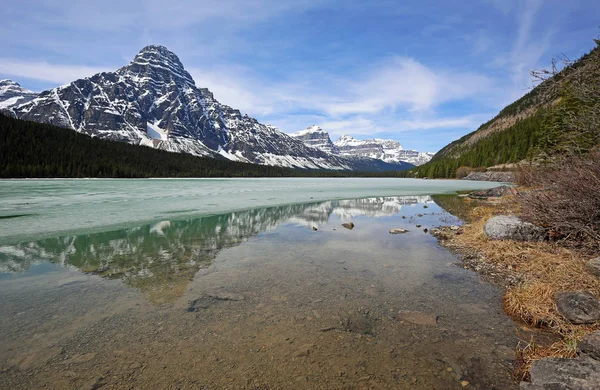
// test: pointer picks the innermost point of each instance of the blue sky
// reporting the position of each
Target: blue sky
(423, 73)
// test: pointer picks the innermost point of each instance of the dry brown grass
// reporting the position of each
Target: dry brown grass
(545, 268)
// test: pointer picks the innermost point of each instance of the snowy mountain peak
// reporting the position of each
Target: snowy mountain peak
(315, 137)
(12, 93)
(384, 149)
(158, 64)
(156, 53)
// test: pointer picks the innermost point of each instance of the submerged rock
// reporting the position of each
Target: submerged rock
(398, 231)
(579, 307)
(210, 299)
(593, 266)
(417, 318)
(509, 227)
(582, 373)
(348, 225)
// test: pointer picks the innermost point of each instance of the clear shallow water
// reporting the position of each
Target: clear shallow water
(31, 209)
(253, 299)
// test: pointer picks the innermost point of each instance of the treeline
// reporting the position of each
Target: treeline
(34, 150)
(514, 144)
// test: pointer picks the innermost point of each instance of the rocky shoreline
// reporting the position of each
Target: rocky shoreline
(491, 243)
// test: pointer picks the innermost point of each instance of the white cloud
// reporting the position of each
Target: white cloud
(54, 73)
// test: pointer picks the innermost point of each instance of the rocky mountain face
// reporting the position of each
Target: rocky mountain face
(153, 101)
(12, 93)
(316, 137)
(389, 151)
(386, 150)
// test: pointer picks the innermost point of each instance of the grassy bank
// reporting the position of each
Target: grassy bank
(530, 273)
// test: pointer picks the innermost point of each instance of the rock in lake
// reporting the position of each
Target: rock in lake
(508, 227)
(593, 266)
(579, 307)
(582, 373)
(348, 225)
(314, 228)
(590, 345)
(398, 231)
(417, 318)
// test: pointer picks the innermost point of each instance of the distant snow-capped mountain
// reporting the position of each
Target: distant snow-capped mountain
(389, 151)
(153, 101)
(12, 93)
(316, 137)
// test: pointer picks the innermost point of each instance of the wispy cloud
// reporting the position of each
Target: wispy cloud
(44, 71)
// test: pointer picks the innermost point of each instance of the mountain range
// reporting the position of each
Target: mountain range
(389, 151)
(154, 101)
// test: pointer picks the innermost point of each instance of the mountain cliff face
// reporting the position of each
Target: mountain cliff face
(386, 150)
(316, 137)
(389, 151)
(153, 101)
(12, 93)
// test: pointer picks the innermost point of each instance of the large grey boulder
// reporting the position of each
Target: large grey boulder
(579, 307)
(590, 345)
(582, 373)
(510, 227)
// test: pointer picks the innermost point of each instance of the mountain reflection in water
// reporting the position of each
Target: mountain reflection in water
(160, 259)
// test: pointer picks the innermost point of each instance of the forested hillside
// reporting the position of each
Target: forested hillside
(30, 149)
(552, 119)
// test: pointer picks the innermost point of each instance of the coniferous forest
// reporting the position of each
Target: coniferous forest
(34, 150)
(30, 149)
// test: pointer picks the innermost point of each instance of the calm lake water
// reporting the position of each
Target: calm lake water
(225, 284)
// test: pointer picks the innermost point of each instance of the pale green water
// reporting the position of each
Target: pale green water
(245, 299)
(50, 207)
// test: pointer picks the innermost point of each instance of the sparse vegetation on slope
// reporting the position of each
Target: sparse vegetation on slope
(560, 117)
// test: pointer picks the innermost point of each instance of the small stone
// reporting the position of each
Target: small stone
(348, 225)
(404, 217)
(314, 228)
(464, 383)
(579, 307)
(593, 266)
(92, 384)
(425, 230)
(419, 215)
(449, 369)
(398, 231)
(304, 351)
(425, 207)
(418, 226)
(454, 227)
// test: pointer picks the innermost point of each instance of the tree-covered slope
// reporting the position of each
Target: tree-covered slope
(561, 115)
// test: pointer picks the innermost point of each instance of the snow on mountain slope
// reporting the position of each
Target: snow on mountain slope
(12, 93)
(316, 137)
(153, 101)
(386, 150)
